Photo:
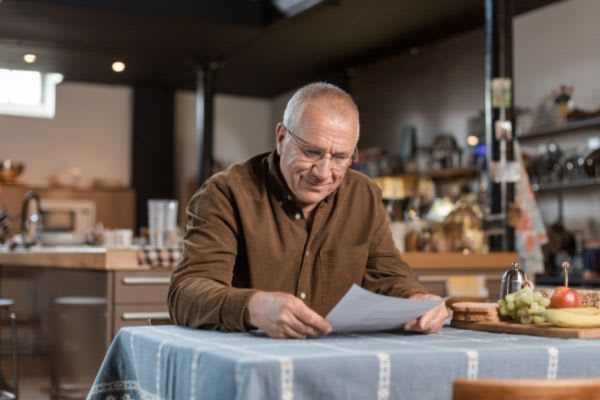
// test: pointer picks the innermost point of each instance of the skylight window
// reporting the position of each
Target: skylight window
(28, 93)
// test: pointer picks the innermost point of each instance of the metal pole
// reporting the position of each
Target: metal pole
(205, 92)
(499, 63)
(15, 354)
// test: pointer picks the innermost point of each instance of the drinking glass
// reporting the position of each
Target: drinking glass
(162, 222)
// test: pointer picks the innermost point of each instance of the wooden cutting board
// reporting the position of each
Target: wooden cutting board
(546, 330)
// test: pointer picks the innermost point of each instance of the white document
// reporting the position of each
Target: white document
(360, 310)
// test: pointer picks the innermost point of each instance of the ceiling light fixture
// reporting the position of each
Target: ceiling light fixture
(118, 66)
(472, 140)
(29, 58)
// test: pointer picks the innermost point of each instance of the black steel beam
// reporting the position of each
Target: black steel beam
(499, 63)
(152, 172)
(205, 93)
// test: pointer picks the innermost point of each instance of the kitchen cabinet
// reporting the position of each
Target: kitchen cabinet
(436, 271)
(36, 278)
(71, 301)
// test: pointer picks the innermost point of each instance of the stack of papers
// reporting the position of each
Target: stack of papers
(360, 311)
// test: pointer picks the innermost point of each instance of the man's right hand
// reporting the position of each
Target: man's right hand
(284, 316)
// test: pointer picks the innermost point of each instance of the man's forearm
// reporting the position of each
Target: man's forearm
(202, 302)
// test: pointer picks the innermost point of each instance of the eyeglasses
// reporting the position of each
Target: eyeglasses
(315, 154)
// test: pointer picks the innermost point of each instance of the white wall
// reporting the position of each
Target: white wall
(560, 44)
(242, 129)
(278, 104)
(91, 131)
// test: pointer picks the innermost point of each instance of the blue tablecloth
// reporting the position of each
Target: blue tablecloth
(170, 362)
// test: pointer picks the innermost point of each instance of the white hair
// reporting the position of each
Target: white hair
(341, 102)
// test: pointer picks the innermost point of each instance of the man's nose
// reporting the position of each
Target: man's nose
(322, 168)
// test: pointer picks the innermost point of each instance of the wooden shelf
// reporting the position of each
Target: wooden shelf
(549, 131)
(556, 187)
(443, 174)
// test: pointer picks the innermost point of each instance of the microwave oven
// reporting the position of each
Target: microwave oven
(68, 215)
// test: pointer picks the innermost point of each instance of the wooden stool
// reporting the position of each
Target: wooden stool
(526, 389)
(78, 345)
(7, 393)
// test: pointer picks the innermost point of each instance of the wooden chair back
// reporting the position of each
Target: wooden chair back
(526, 389)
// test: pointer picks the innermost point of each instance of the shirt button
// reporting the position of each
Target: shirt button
(297, 216)
(289, 197)
(302, 295)
(280, 203)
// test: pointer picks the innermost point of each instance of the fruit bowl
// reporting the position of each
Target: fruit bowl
(10, 170)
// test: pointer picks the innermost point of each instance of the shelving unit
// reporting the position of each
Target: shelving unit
(556, 187)
(404, 185)
(446, 174)
(555, 130)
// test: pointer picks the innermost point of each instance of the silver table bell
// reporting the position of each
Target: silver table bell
(512, 280)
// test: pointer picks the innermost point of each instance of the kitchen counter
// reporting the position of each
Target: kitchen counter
(40, 277)
(459, 275)
(459, 261)
(79, 257)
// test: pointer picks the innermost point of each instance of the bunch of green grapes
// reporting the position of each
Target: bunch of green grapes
(525, 306)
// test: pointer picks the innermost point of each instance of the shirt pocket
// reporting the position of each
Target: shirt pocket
(340, 268)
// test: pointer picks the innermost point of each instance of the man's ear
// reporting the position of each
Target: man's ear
(279, 135)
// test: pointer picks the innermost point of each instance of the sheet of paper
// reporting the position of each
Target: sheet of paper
(360, 311)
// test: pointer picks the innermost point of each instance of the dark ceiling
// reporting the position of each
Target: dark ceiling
(260, 51)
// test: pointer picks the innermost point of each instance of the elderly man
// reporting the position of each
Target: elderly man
(275, 242)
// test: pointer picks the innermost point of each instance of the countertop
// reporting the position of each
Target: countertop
(74, 257)
(455, 261)
(100, 258)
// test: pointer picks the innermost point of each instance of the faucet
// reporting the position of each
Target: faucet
(31, 218)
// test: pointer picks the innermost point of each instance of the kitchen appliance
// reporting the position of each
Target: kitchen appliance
(66, 222)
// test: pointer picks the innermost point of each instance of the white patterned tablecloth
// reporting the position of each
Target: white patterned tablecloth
(176, 363)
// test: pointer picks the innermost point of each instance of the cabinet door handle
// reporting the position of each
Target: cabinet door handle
(136, 316)
(146, 280)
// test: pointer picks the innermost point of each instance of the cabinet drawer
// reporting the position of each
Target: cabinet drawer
(138, 315)
(140, 287)
(435, 284)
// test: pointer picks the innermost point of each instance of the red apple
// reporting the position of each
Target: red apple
(565, 297)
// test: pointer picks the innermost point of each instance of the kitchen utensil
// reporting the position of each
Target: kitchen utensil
(592, 164)
(62, 238)
(10, 170)
(512, 280)
(445, 152)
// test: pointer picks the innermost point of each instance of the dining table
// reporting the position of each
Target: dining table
(177, 363)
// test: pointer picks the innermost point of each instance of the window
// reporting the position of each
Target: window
(28, 93)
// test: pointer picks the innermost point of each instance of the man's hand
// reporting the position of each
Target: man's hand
(430, 322)
(282, 316)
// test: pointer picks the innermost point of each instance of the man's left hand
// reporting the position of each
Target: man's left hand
(430, 322)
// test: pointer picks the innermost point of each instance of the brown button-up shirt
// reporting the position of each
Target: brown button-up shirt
(246, 233)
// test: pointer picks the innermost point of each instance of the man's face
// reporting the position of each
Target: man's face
(319, 127)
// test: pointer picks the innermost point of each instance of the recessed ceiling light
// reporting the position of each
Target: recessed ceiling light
(29, 58)
(118, 66)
